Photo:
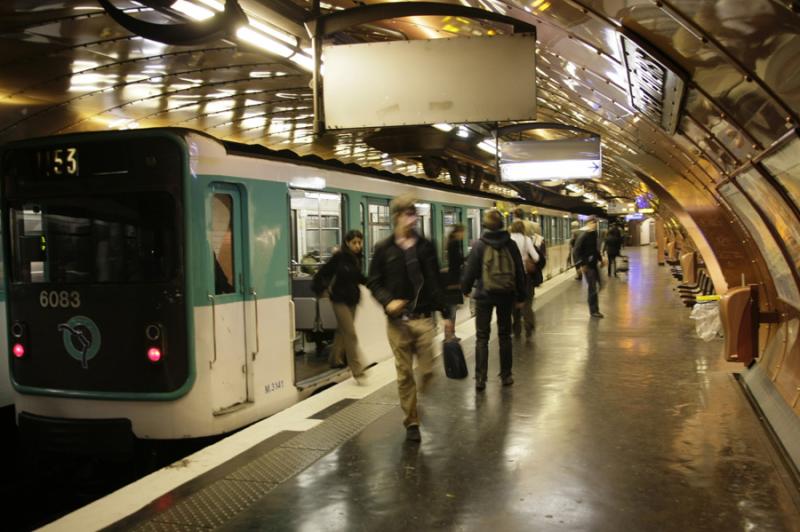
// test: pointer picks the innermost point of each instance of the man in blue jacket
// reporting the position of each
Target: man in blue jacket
(495, 269)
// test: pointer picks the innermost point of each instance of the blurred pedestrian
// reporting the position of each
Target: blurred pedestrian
(586, 256)
(529, 259)
(404, 278)
(341, 277)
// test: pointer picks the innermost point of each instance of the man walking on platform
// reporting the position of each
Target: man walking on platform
(495, 268)
(586, 255)
(404, 278)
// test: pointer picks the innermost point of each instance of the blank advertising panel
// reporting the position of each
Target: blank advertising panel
(453, 80)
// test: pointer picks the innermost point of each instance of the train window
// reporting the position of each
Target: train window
(776, 261)
(379, 224)
(317, 223)
(220, 237)
(473, 226)
(424, 220)
(117, 238)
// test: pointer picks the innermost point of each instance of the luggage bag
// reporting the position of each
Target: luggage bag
(622, 263)
(455, 366)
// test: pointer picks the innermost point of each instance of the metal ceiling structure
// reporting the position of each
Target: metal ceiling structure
(69, 66)
(728, 74)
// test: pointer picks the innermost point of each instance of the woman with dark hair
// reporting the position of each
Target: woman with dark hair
(341, 277)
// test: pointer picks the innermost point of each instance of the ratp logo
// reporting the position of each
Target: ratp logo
(81, 337)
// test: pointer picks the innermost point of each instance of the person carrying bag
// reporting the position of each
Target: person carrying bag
(340, 277)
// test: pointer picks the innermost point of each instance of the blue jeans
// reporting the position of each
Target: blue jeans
(483, 318)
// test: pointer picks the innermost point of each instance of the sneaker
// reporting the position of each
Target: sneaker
(361, 380)
(508, 380)
(480, 384)
(597, 315)
(412, 433)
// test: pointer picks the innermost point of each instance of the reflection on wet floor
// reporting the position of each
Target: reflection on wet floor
(623, 423)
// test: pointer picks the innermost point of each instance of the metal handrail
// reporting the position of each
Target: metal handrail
(213, 329)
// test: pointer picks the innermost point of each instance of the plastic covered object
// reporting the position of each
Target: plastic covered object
(708, 324)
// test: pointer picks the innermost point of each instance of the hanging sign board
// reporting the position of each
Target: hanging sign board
(454, 80)
(536, 160)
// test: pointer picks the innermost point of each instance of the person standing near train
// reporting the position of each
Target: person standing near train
(586, 255)
(529, 258)
(404, 278)
(494, 269)
(455, 265)
(612, 245)
(342, 276)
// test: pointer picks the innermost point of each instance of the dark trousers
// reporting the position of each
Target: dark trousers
(612, 264)
(483, 318)
(592, 277)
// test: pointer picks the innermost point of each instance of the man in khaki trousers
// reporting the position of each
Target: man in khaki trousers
(404, 278)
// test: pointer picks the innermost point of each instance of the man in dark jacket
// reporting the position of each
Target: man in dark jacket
(404, 278)
(585, 255)
(612, 246)
(475, 274)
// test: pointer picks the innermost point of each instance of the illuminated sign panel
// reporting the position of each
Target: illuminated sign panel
(468, 79)
(535, 160)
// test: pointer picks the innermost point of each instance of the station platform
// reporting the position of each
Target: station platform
(629, 422)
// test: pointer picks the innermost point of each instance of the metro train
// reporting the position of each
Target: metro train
(158, 280)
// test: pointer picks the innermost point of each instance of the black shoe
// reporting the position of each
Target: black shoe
(480, 384)
(597, 315)
(412, 433)
(508, 380)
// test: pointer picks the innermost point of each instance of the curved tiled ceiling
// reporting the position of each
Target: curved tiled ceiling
(67, 66)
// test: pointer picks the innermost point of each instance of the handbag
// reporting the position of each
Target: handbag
(530, 266)
(455, 366)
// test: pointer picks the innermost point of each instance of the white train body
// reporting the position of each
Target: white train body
(242, 344)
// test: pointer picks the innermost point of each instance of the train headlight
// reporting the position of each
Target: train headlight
(154, 354)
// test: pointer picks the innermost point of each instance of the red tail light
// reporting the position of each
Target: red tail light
(19, 350)
(154, 354)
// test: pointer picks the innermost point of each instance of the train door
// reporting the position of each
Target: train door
(317, 221)
(225, 239)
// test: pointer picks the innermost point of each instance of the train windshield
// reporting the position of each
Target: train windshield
(115, 238)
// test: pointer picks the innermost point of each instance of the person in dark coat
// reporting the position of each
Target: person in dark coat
(586, 255)
(342, 276)
(455, 265)
(612, 246)
(404, 277)
(472, 280)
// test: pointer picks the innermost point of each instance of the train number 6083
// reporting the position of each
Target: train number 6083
(59, 299)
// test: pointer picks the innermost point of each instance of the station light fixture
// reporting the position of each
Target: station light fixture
(544, 170)
(192, 10)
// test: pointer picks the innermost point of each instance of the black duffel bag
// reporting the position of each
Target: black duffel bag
(455, 366)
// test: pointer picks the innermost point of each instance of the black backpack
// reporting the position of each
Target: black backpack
(455, 366)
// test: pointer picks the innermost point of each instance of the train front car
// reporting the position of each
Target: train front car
(96, 303)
